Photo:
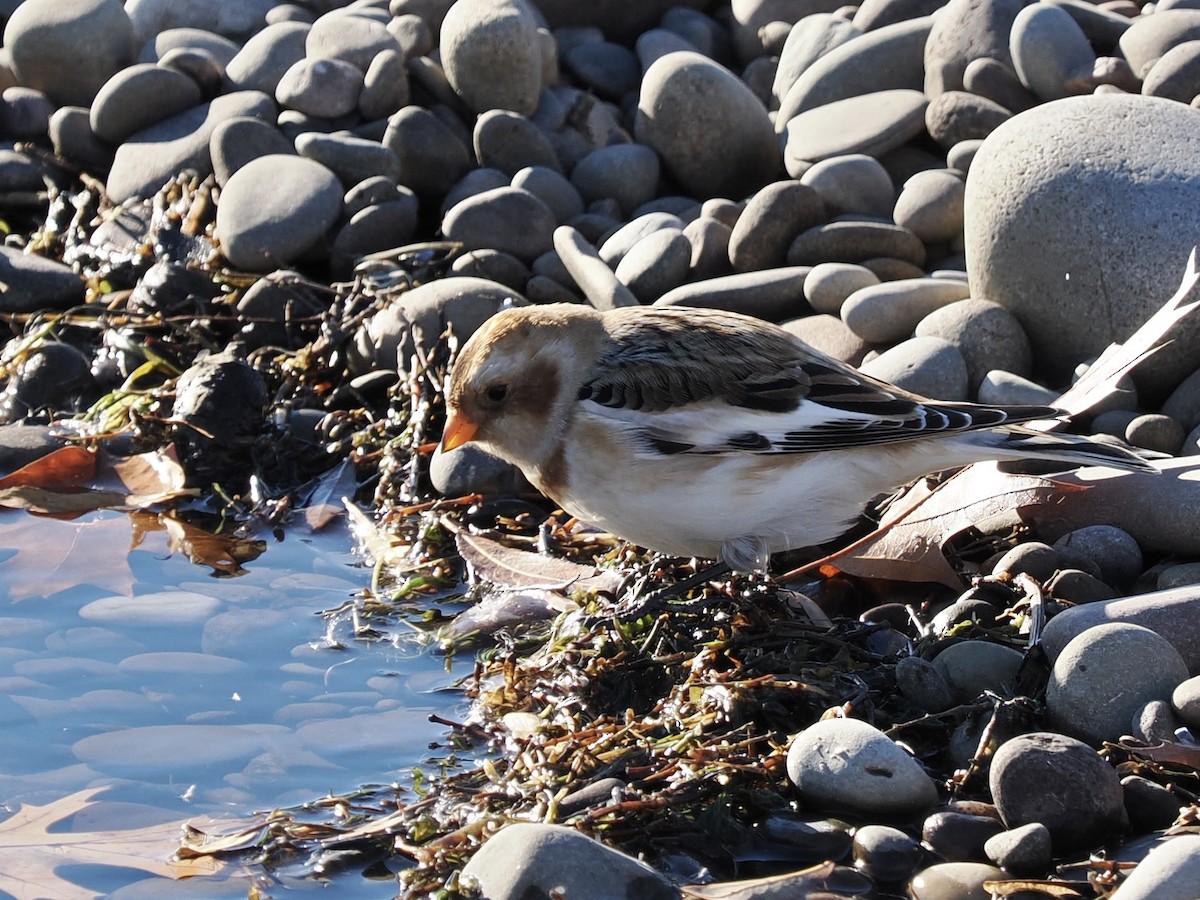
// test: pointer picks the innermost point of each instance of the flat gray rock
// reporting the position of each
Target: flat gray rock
(506, 218)
(870, 123)
(1080, 216)
(33, 283)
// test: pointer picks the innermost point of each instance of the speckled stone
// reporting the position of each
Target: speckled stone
(1051, 54)
(927, 366)
(956, 116)
(829, 284)
(854, 184)
(770, 222)
(492, 56)
(988, 336)
(930, 205)
(830, 335)
(889, 312)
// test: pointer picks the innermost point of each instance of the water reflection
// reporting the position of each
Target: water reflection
(190, 693)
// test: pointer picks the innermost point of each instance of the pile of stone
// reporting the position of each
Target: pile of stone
(969, 199)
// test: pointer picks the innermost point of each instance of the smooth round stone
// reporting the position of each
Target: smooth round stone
(506, 218)
(956, 116)
(1152, 37)
(830, 284)
(930, 367)
(1078, 586)
(325, 88)
(590, 272)
(988, 336)
(221, 49)
(656, 43)
(963, 31)
(853, 767)
(1179, 576)
(1183, 405)
(164, 749)
(199, 65)
(889, 58)
(385, 86)
(236, 141)
(553, 189)
(884, 853)
(617, 244)
(353, 39)
(25, 113)
(381, 226)
(1168, 872)
(997, 82)
(808, 40)
(770, 222)
(1112, 549)
(954, 881)
(855, 184)
(274, 208)
(871, 124)
(656, 264)
(1176, 74)
(604, 67)
(181, 663)
(262, 60)
(533, 860)
(1009, 389)
(432, 158)
(1155, 432)
(1105, 675)
(889, 312)
(468, 469)
(153, 610)
(1025, 850)
(970, 668)
(1151, 806)
(351, 159)
(710, 247)
(68, 50)
(771, 294)
(491, 55)
(1033, 558)
(33, 282)
(958, 836)
(492, 265)
(1133, 162)
(855, 241)
(509, 142)
(139, 96)
(1102, 26)
(1050, 52)
(712, 133)
(921, 682)
(829, 335)
(930, 205)
(1185, 699)
(155, 155)
(628, 173)
(1061, 783)
(1155, 722)
(232, 18)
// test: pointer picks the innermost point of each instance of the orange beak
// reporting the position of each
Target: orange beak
(459, 430)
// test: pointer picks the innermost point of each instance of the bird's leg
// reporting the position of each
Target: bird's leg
(635, 604)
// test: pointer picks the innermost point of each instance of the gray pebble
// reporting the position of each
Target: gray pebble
(957, 836)
(262, 60)
(138, 97)
(1179, 576)
(851, 766)
(72, 136)
(25, 113)
(492, 265)
(325, 88)
(1154, 721)
(973, 667)
(856, 241)
(963, 31)
(541, 289)
(656, 43)
(884, 853)
(1024, 850)
(956, 116)
(491, 55)
(997, 82)
(855, 184)
(413, 33)
(1009, 389)
(1102, 677)
(954, 881)
(617, 244)
(381, 226)
(432, 158)
(988, 336)
(170, 39)
(927, 366)
(1183, 404)
(199, 65)
(889, 312)
(1171, 871)
(351, 159)
(236, 141)
(1078, 586)
(1151, 37)
(829, 284)
(808, 40)
(593, 226)
(33, 282)
(930, 205)
(870, 123)
(590, 271)
(354, 39)
(505, 218)
(709, 238)
(829, 335)
(468, 470)
(627, 173)
(1185, 700)
(1061, 783)
(921, 682)
(1032, 558)
(1176, 74)
(1151, 806)
(771, 294)
(385, 85)
(1050, 52)
(681, 94)
(1155, 432)
(656, 264)
(604, 67)
(770, 222)
(510, 142)
(553, 189)
(1114, 550)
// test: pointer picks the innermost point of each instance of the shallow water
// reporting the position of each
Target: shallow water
(194, 695)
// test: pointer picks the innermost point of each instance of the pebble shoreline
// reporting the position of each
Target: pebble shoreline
(969, 199)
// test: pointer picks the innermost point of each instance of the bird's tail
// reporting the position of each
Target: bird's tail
(1022, 443)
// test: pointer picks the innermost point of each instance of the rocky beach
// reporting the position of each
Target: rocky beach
(259, 231)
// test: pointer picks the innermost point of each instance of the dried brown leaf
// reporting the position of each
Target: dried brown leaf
(64, 467)
(507, 566)
(58, 503)
(153, 478)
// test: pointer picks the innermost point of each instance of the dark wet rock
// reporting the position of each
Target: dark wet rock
(1078, 586)
(1105, 675)
(1032, 558)
(953, 881)
(275, 208)
(468, 470)
(972, 667)
(54, 377)
(885, 853)
(21, 444)
(68, 50)
(1150, 805)
(1061, 783)
(172, 289)
(959, 837)
(153, 156)
(528, 860)
(219, 403)
(922, 683)
(712, 133)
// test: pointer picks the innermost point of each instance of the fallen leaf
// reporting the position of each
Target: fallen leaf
(153, 478)
(825, 880)
(507, 566)
(910, 542)
(64, 467)
(30, 854)
(222, 553)
(326, 502)
(58, 503)
(1011, 886)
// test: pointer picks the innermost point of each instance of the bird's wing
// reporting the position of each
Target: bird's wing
(703, 381)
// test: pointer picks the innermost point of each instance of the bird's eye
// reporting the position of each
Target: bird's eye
(497, 392)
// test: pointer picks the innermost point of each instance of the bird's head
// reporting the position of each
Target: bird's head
(516, 379)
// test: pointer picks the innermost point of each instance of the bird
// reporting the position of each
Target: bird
(710, 434)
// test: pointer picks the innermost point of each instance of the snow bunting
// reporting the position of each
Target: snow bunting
(703, 433)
